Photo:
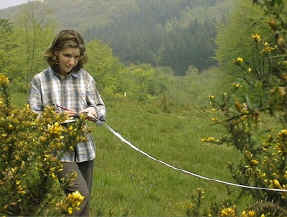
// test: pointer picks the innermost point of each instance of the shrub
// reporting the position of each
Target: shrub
(254, 114)
(30, 148)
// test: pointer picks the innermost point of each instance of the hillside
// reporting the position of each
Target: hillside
(86, 13)
(158, 32)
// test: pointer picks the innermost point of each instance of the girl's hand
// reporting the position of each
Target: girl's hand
(70, 113)
(90, 113)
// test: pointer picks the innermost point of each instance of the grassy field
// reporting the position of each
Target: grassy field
(127, 183)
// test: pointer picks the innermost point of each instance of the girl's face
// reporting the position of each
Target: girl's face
(68, 58)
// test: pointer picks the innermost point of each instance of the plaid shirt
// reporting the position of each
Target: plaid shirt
(76, 91)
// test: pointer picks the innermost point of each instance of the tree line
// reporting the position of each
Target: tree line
(163, 33)
(175, 34)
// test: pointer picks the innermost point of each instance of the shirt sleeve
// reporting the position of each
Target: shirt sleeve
(95, 100)
(35, 98)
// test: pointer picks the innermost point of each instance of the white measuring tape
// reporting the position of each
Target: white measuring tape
(185, 171)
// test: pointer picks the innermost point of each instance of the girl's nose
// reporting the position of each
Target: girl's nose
(72, 61)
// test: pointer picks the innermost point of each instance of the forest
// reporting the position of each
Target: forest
(200, 84)
(156, 32)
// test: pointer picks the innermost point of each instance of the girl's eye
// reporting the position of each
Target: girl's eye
(70, 56)
(67, 55)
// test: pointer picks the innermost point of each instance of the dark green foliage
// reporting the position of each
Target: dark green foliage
(191, 45)
(8, 47)
(157, 32)
(254, 108)
(233, 38)
(5, 25)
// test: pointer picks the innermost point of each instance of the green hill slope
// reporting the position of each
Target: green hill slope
(169, 33)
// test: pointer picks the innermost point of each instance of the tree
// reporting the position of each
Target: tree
(33, 34)
(103, 66)
(7, 47)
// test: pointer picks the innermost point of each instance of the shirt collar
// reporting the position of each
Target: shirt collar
(74, 74)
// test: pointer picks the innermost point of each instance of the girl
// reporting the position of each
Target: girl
(66, 84)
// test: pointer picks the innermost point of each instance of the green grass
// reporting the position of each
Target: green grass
(126, 183)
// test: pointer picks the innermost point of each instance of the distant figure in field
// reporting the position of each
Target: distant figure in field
(66, 84)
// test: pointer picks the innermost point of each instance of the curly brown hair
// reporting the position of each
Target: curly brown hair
(66, 39)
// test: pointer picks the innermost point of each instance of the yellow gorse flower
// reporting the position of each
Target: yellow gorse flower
(230, 212)
(236, 85)
(250, 213)
(267, 48)
(256, 37)
(70, 210)
(238, 60)
(276, 183)
(75, 199)
(211, 139)
(282, 132)
(76, 196)
(4, 80)
(243, 214)
(56, 128)
(72, 202)
(254, 162)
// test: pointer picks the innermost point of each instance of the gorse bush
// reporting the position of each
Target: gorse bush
(254, 114)
(30, 148)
